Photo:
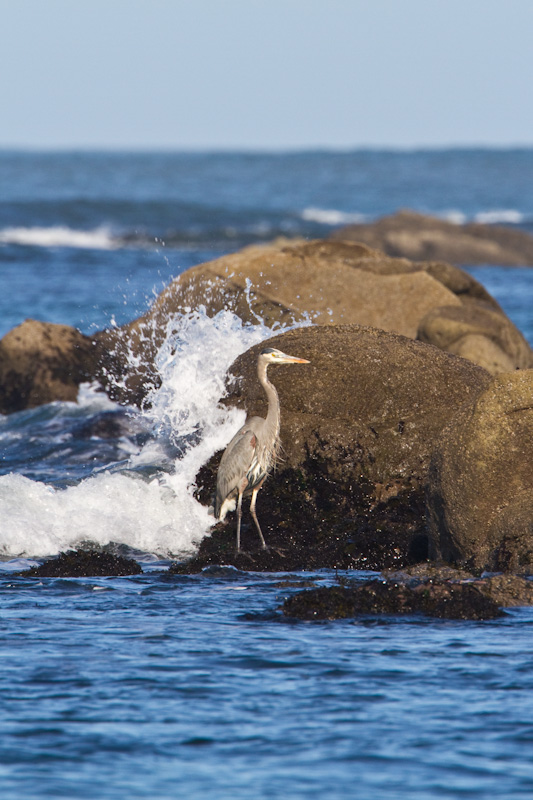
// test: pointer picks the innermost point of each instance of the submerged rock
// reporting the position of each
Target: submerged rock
(480, 495)
(84, 563)
(505, 590)
(422, 237)
(437, 590)
(443, 599)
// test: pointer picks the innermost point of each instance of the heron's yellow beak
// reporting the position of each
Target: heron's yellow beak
(295, 360)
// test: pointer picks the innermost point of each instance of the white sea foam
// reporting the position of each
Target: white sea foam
(454, 216)
(61, 236)
(505, 216)
(157, 516)
(38, 520)
(509, 216)
(331, 216)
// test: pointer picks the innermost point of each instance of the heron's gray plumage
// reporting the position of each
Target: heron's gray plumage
(252, 453)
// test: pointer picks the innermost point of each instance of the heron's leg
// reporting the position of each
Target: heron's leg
(239, 517)
(254, 516)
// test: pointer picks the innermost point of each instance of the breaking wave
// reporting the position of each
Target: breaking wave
(503, 216)
(145, 502)
(331, 216)
(61, 236)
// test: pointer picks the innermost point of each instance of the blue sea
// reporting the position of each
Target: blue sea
(165, 686)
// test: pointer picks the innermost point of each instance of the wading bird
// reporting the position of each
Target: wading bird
(252, 452)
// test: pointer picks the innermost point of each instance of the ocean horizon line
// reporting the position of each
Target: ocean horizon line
(229, 150)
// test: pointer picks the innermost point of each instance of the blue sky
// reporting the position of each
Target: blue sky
(265, 74)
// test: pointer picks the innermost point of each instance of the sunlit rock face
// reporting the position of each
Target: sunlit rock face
(41, 362)
(421, 237)
(286, 282)
(327, 282)
(481, 482)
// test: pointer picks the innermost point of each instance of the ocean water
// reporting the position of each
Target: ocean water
(160, 686)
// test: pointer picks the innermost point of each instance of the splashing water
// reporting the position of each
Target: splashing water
(140, 503)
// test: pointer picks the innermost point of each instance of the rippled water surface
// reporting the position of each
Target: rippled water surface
(160, 686)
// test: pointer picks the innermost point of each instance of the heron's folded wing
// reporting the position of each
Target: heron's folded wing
(235, 463)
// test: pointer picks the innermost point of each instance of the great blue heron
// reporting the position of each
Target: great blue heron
(252, 452)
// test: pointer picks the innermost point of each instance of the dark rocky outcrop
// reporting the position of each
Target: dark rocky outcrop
(480, 493)
(506, 590)
(436, 599)
(310, 522)
(358, 427)
(41, 362)
(84, 564)
(421, 237)
(433, 589)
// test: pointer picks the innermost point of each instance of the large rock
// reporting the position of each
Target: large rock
(481, 482)
(41, 362)
(479, 333)
(331, 283)
(326, 281)
(378, 400)
(424, 238)
(358, 428)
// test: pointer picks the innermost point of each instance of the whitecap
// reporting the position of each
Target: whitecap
(331, 216)
(509, 216)
(454, 216)
(61, 236)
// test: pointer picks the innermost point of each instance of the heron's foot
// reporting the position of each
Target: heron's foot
(241, 552)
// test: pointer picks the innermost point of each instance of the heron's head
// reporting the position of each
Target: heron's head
(270, 355)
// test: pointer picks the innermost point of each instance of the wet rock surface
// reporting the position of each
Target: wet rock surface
(84, 563)
(437, 590)
(422, 237)
(444, 600)
(310, 524)
(506, 590)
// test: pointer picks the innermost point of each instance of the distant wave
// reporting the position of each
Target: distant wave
(331, 216)
(508, 216)
(61, 236)
(504, 216)
(309, 222)
(103, 238)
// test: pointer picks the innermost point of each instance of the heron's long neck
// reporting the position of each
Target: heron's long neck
(273, 415)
